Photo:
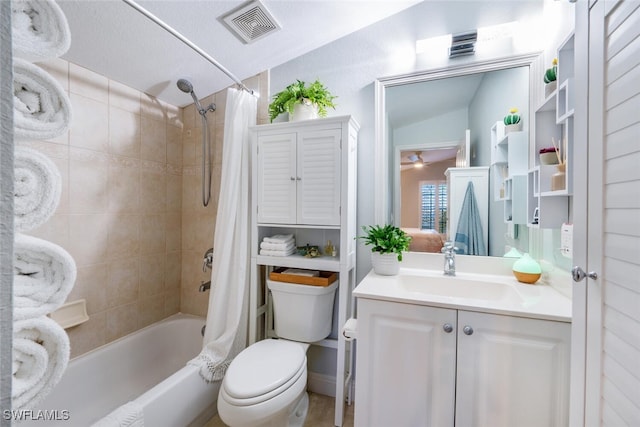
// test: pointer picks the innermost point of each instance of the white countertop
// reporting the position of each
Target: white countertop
(487, 293)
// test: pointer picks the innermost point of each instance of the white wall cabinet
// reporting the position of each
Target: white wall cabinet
(304, 183)
(430, 366)
(299, 177)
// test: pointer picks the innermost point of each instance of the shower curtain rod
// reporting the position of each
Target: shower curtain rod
(188, 42)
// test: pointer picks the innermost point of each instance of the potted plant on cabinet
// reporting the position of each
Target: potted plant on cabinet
(550, 77)
(512, 122)
(388, 242)
(302, 102)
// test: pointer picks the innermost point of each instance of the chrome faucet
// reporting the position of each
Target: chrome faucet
(449, 252)
(204, 286)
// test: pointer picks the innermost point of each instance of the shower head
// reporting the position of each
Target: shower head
(186, 86)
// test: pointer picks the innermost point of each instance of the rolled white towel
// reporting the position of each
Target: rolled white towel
(40, 356)
(277, 246)
(37, 188)
(279, 238)
(130, 414)
(39, 30)
(41, 107)
(43, 275)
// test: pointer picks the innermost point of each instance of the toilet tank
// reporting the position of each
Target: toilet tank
(302, 312)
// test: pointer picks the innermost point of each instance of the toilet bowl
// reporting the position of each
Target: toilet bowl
(265, 385)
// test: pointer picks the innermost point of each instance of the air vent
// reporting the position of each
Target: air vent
(251, 22)
(463, 44)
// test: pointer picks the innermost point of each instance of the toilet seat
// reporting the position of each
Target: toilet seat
(263, 370)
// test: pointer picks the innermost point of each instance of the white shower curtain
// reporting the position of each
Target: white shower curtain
(225, 335)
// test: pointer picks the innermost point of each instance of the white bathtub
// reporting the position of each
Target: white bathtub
(148, 366)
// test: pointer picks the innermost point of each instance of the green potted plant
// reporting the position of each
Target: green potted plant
(550, 77)
(388, 242)
(302, 101)
(512, 121)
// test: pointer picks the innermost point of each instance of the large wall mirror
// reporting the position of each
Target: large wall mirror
(428, 122)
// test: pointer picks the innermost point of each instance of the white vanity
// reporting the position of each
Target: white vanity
(472, 350)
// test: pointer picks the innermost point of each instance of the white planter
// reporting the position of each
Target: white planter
(385, 264)
(513, 128)
(304, 111)
(549, 88)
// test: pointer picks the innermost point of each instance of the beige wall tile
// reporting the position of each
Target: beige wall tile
(152, 234)
(89, 84)
(124, 97)
(124, 133)
(173, 230)
(150, 106)
(150, 310)
(124, 185)
(174, 193)
(172, 302)
(174, 145)
(88, 181)
(153, 140)
(189, 117)
(124, 281)
(91, 284)
(89, 127)
(121, 321)
(89, 335)
(152, 274)
(153, 191)
(172, 270)
(88, 238)
(123, 236)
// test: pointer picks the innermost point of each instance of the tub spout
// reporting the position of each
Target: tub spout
(205, 286)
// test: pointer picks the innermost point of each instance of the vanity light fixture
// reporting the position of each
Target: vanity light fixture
(464, 43)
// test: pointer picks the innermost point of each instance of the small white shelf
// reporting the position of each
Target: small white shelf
(324, 263)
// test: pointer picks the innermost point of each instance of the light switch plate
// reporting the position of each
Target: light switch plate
(566, 240)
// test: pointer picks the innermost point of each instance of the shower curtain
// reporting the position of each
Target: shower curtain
(226, 335)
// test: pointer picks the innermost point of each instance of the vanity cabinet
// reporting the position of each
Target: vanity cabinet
(421, 365)
(299, 176)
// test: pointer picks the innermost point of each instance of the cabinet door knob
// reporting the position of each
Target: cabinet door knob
(298, 178)
(468, 330)
(292, 178)
(448, 327)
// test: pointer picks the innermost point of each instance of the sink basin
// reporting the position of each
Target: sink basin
(455, 287)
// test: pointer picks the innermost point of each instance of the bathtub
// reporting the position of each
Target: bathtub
(148, 366)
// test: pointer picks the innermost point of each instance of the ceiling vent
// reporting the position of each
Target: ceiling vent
(463, 44)
(250, 22)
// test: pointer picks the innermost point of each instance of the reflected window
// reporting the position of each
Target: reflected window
(433, 206)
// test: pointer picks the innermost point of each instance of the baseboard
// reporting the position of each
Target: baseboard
(321, 384)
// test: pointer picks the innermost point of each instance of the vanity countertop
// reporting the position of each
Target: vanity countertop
(487, 293)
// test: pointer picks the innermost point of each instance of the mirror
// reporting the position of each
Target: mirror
(424, 121)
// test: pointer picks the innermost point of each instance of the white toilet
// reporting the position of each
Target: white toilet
(266, 383)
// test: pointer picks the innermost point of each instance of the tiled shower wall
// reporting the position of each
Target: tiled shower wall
(121, 206)
(198, 222)
(131, 213)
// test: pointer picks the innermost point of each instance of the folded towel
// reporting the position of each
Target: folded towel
(40, 356)
(37, 187)
(277, 246)
(271, 252)
(41, 107)
(279, 238)
(43, 275)
(128, 415)
(39, 30)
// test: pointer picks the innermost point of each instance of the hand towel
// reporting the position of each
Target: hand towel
(39, 30)
(43, 275)
(40, 356)
(37, 188)
(128, 415)
(469, 237)
(41, 107)
(277, 246)
(279, 238)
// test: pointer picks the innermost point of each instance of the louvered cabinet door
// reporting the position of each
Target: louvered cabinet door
(318, 177)
(277, 179)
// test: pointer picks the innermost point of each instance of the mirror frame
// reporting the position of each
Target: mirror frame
(382, 206)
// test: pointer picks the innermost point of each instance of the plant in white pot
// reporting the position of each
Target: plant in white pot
(512, 121)
(302, 102)
(388, 242)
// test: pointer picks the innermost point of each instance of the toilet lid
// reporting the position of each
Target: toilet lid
(263, 367)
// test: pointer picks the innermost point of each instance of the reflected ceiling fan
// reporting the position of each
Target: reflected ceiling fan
(414, 160)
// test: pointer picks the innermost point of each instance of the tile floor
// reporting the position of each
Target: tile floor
(321, 410)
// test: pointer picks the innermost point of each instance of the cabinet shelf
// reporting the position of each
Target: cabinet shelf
(299, 261)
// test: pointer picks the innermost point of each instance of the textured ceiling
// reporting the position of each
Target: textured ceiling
(111, 38)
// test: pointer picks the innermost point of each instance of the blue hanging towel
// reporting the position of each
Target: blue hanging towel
(469, 236)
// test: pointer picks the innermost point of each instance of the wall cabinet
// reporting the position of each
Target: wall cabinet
(299, 177)
(304, 183)
(430, 366)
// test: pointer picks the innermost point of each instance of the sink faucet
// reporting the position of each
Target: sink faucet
(449, 252)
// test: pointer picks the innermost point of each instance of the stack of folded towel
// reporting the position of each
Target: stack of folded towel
(278, 245)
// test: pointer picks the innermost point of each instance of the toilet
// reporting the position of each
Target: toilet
(265, 385)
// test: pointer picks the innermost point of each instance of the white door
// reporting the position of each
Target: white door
(277, 179)
(512, 371)
(318, 177)
(612, 322)
(406, 365)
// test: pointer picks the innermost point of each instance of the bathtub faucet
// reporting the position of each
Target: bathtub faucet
(204, 286)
